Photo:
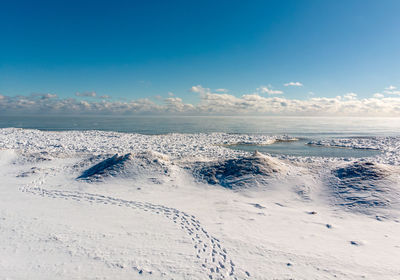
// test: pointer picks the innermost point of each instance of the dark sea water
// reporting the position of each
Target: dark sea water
(306, 128)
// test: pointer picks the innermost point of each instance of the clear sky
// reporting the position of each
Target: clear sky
(158, 49)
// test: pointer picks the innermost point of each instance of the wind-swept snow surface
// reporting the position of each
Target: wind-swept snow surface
(106, 205)
(366, 186)
(129, 165)
(242, 172)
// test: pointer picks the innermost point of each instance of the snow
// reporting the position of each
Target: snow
(366, 186)
(240, 173)
(107, 205)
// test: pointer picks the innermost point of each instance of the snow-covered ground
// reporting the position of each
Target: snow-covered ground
(107, 205)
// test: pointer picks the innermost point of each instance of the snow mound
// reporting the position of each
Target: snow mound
(242, 172)
(138, 166)
(366, 186)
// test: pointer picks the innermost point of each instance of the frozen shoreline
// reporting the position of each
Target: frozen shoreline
(150, 214)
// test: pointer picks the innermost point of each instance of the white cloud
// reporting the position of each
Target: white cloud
(256, 104)
(293, 84)
(222, 90)
(378, 95)
(86, 94)
(200, 89)
(44, 95)
(350, 96)
(264, 89)
(176, 105)
(210, 103)
(393, 92)
(49, 95)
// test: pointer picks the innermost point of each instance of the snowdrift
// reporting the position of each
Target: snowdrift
(132, 166)
(366, 186)
(242, 172)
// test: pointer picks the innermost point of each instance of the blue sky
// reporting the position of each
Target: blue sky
(150, 49)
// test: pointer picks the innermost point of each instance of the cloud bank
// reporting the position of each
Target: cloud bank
(210, 103)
